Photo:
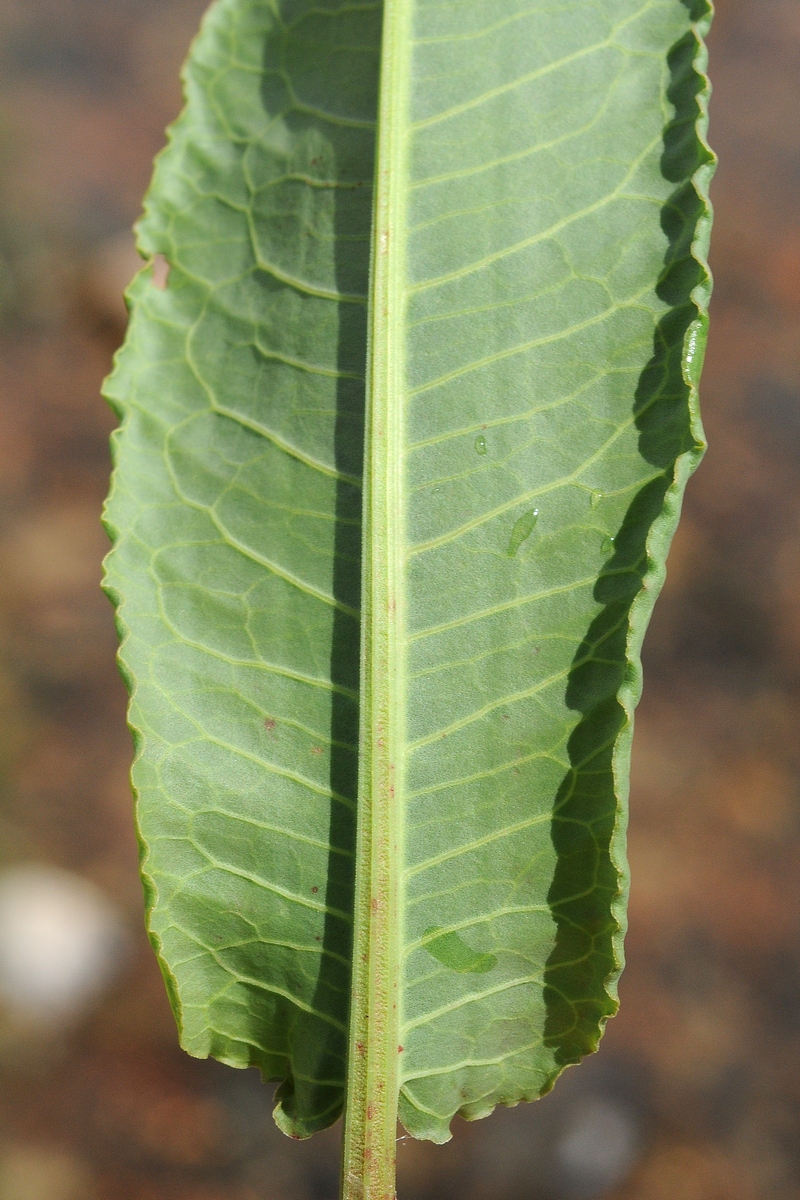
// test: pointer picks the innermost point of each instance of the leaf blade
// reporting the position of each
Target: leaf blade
(546, 320)
(239, 601)
(547, 335)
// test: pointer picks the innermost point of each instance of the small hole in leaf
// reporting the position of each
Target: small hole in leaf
(161, 270)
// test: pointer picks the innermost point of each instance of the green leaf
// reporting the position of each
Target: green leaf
(426, 901)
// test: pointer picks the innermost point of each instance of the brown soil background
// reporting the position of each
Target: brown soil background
(703, 1062)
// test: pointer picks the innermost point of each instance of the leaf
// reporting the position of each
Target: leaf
(237, 504)
(532, 328)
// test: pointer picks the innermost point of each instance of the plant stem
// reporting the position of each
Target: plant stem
(368, 1166)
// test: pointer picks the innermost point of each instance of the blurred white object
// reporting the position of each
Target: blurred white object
(598, 1145)
(61, 941)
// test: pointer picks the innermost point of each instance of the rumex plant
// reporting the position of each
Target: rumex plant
(403, 444)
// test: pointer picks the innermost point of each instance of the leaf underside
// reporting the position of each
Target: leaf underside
(554, 325)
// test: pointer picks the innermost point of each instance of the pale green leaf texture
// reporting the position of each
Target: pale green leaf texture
(556, 292)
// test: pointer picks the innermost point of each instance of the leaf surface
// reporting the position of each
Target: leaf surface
(532, 339)
(237, 501)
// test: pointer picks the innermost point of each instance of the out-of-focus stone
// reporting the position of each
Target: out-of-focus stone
(61, 942)
(597, 1146)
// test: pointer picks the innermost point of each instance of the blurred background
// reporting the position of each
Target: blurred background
(695, 1094)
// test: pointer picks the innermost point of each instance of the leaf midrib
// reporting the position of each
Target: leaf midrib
(373, 1077)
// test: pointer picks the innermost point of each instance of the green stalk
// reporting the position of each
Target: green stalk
(368, 1161)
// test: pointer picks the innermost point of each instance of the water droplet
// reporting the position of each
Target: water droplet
(523, 528)
(480, 444)
(595, 499)
(608, 545)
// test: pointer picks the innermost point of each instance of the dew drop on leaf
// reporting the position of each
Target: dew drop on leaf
(480, 444)
(595, 499)
(607, 545)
